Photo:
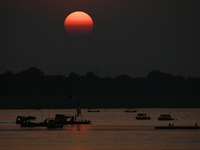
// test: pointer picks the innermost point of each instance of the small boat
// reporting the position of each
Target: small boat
(165, 117)
(29, 121)
(142, 117)
(70, 119)
(130, 111)
(177, 127)
(80, 122)
(93, 110)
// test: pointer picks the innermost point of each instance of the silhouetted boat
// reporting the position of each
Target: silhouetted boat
(177, 127)
(142, 117)
(29, 121)
(130, 111)
(70, 119)
(165, 117)
(93, 110)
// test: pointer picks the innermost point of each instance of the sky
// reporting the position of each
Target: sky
(131, 37)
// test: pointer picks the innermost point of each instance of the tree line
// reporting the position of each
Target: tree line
(33, 81)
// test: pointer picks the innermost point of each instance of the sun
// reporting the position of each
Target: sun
(78, 23)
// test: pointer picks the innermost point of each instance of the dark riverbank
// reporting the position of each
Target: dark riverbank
(32, 88)
(106, 101)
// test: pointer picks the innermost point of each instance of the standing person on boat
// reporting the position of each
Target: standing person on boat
(78, 108)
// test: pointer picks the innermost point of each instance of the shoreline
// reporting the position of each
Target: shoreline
(98, 101)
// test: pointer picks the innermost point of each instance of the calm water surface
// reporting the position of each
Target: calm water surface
(111, 129)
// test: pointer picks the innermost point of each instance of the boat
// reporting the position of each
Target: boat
(93, 110)
(165, 117)
(70, 119)
(29, 121)
(142, 117)
(130, 111)
(53, 123)
(177, 127)
(56, 122)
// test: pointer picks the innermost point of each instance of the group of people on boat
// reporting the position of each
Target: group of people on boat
(142, 117)
(171, 126)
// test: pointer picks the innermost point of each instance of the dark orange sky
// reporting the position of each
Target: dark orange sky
(129, 37)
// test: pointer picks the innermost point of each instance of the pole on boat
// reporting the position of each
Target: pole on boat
(42, 114)
(39, 108)
(49, 109)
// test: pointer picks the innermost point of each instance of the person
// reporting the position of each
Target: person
(78, 109)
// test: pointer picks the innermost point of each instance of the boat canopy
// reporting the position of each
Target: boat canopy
(141, 114)
(62, 116)
(165, 115)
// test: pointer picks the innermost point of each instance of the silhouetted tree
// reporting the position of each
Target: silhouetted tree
(32, 81)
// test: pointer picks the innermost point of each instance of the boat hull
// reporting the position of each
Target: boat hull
(78, 122)
(32, 124)
(93, 111)
(130, 111)
(143, 118)
(163, 119)
(177, 127)
(53, 126)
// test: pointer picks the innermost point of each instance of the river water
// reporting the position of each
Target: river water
(111, 129)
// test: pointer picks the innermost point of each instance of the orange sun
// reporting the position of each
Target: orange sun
(78, 23)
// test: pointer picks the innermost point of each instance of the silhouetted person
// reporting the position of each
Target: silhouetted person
(78, 109)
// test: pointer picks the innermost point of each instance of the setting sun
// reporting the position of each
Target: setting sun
(78, 23)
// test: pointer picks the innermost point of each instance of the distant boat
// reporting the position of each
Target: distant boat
(29, 121)
(177, 127)
(142, 117)
(165, 117)
(70, 119)
(130, 111)
(93, 110)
